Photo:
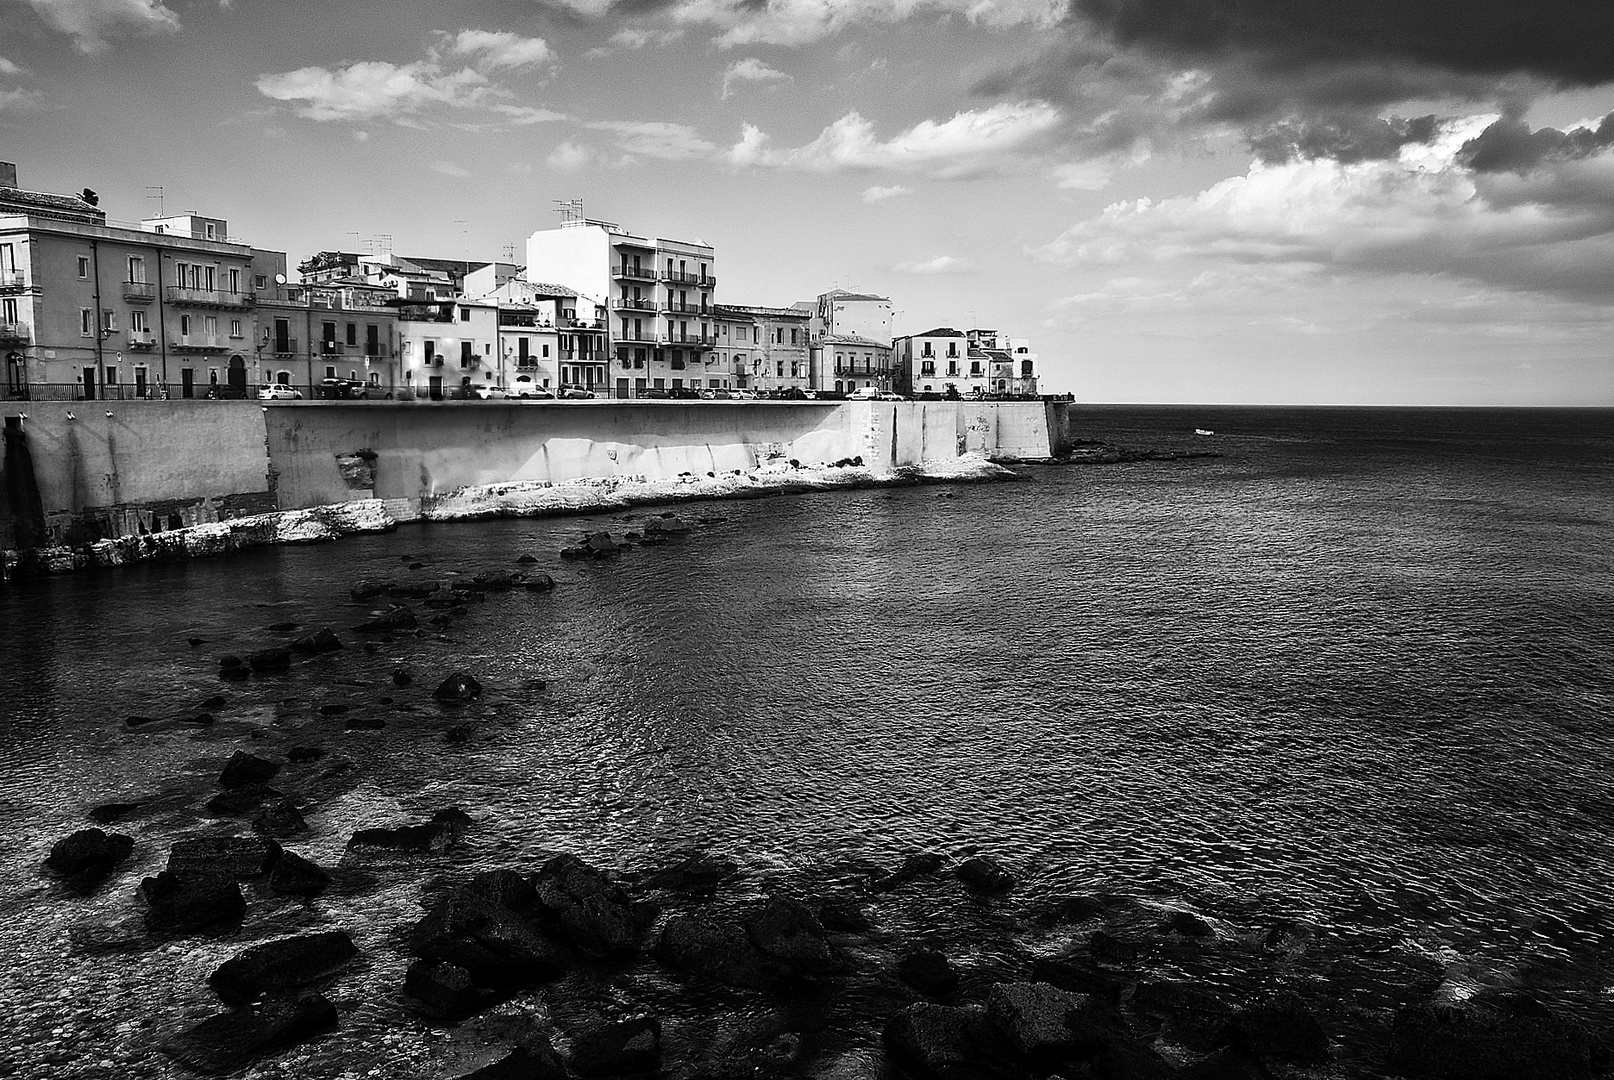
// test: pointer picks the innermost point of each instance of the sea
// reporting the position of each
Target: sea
(1354, 673)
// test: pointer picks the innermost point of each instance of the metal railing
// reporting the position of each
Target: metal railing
(12, 279)
(177, 294)
(13, 332)
(641, 273)
(139, 292)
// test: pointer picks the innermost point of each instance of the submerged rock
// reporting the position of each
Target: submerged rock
(592, 911)
(398, 618)
(929, 972)
(1512, 1040)
(444, 830)
(292, 875)
(244, 768)
(943, 1042)
(280, 820)
(281, 966)
(222, 856)
(717, 950)
(441, 990)
(320, 641)
(182, 904)
(458, 689)
(617, 1048)
(984, 874)
(266, 660)
(475, 929)
(228, 1041)
(788, 931)
(87, 858)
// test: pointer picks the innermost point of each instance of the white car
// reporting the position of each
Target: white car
(490, 393)
(743, 394)
(863, 393)
(887, 395)
(277, 392)
(576, 392)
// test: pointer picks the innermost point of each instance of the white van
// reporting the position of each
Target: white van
(863, 393)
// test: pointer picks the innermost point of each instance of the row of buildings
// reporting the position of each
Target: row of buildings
(175, 306)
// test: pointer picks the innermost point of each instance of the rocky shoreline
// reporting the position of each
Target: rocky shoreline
(582, 496)
(694, 966)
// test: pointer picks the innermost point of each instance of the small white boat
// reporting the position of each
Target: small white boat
(1202, 431)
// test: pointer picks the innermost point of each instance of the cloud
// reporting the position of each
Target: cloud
(8, 68)
(1427, 212)
(374, 89)
(90, 22)
(941, 264)
(1510, 146)
(449, 168)
(18, 100)
(801, 22)
(749, 70)
(569, 156)
(501, 48)
(970, 142)
(655, 138)
(880, 194)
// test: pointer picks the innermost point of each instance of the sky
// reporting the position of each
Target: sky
(1213, 201)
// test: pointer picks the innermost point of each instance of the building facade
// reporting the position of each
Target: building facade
(851, 342)
(340, 329)
(89, 310)
(447, 347)
(655, 296)
(765, 349)
(939, 361)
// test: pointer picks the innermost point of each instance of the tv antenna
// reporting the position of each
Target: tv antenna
(570, 211)
(159, 197)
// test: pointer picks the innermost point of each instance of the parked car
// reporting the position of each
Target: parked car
(715, 393)
(574, 392)
(526, 388)
(657, 392)
(887, 395)
(348, 390)
(278, 392)
(744, 394)
(224, 391)
(490, 393)
(863, 393)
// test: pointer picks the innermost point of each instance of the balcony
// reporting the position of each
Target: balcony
(434, 361)
(641, 337)
(183, 297)
(11, 280)
(698, 340)
(139, 292)
(681, 277)
(927, 371)
(13, 332)
(199, 343)
(707, 281)
(331, 348)
(142, 340)
(526, 363)
(636, 273)
(637, 303)
(686, 308)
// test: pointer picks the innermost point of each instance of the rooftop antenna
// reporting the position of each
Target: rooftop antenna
(384, 246)
(159, 197)
(509, 253)
(570, 211)
(465, 244)
(355, 235)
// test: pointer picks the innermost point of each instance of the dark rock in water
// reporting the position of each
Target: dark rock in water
(788, 931)
(401, 677)
(439, 834)
(1036, 1018)
(716, 949)
(266, 660)
(458, 688)
(1191, 1016)
(600, 545)
(107, 813)
(459, 733)
(929, 972)
(244, 768)
(1282, 1027)
(224, 856)
(320, 641)
(473, 929)
(527, 559)
(1109, 948)
(413, 590)
(843, 917)
(1482, 1042)
(364, 723)
(275, 968)
(535, 1059)
(575, 551)
(917, 865)
(195, 642)
(365, 589)
(292, 875)
(227, 1042)
(230, 662)
(1079, 975)
(592, 911)
(246, 799)
(441, 990)
(1185, 923)
(302, 755)
(182, 904)
(494, 581)
(984, 874)
(942, 1042)
(196, 719)
(214, 703)
(87, 857)
(618, 1048)
(539, 583)
(233, 668)
(700, 872)
(398, 618)
(667, 525)
(282, 627)
(334, 709)
(280, 820)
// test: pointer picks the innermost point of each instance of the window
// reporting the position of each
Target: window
(352, 332)
(109, 319)
(260, 282)
(792, 337)
(8, 312)
(184, 325)
(207, 277)
(210, 325)
(546, 350)
(781, 369)
(86, 322)
(487, 349)
(137, 269)
(330, 372)
(83, 268)
(372, 339)
(431, 349)
(210, 230)
(235, 328)
(235, 279)
(467, 353)
(465, 314)
(8, 258)
(137, 322)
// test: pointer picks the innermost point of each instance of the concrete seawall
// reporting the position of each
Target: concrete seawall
(120, 469)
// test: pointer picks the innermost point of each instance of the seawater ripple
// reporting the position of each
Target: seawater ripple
(1360, 662)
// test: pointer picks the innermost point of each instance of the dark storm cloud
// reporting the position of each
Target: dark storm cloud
(1565, 42)
(1510, 146)
(1304, 78)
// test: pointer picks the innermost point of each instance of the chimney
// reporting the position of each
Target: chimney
(8, 175)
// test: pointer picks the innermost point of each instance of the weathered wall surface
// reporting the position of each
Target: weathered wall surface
(152, 466)
(123, 468)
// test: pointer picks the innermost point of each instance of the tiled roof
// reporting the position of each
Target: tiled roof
(853, 339)
(18, 201)
(842, 294)
(941, 331)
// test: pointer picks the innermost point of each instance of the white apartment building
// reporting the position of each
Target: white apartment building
(655, 296)
(448, 346)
